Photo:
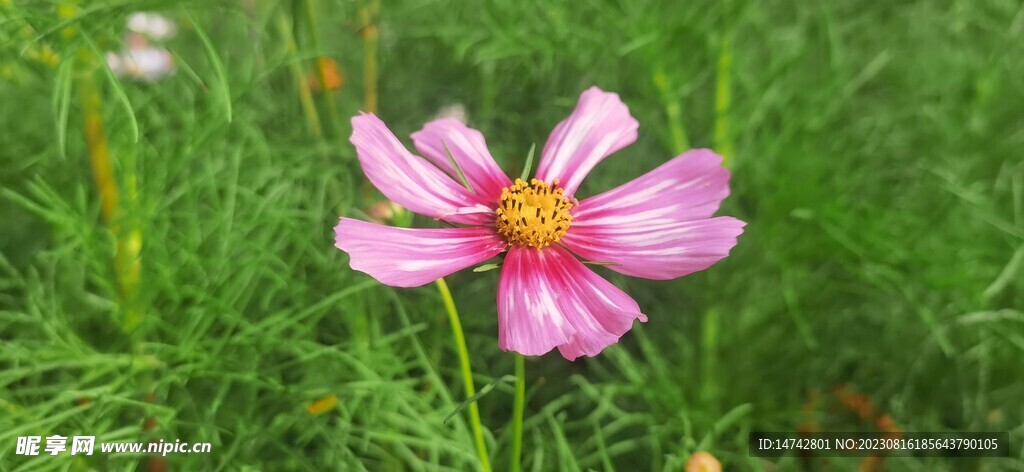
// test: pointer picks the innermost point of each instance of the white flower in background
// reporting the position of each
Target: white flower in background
(456, 111)
(154, 25)
(142, 60)
(146, 63)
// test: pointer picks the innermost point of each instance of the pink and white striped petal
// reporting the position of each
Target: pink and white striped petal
(688, 187)
(547, 298)
(658, 251)
(600, 125)
(656, 225)
(411, 181)
(403, 257)
(468, 148)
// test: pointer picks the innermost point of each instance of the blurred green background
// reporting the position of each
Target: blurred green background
(876, 150)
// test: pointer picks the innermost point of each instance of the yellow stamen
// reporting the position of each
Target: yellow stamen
(533, 214)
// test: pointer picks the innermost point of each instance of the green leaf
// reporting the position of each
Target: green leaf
(187, 69)
(603, 264)
(218, 66)
(62, 103)
(462, 176)
(529, 163)
(486, 267)
(723, 423)
(483, 391)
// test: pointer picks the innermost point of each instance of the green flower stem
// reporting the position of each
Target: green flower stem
(673, 111)
(723, 101)
(709, 388)
(467, 373)
(710, 385)
(517, 414)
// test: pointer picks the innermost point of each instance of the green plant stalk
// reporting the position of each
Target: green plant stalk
(367, 15)
(517, 414)
(709, 358)
(674, 113)
(305, 96)
(467, 373)
(128, 234)
(723, 144)
(314, 36)
(723, 100)
(488, 91)
(91, 104)
(127, 265)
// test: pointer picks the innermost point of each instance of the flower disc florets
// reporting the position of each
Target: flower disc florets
(533, 214)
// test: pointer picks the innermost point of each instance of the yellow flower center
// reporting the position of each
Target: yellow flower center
(533, 214)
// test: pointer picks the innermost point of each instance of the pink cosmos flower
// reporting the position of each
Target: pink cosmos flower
(658, 226)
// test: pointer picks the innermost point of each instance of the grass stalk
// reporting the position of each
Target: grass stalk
(723, 99)
(467, 373)
(91, 104)
(709, 390)
(127, 264)
(295, 68)
(321, 68)
(673, 111)
(723, 144)
(368, 17)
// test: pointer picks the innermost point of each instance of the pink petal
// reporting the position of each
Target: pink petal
(659, 251)
(411, 181)
(468, 149)
(688, 187)
(547, 299)
(656, 226)
(600, 125)
(403, 257)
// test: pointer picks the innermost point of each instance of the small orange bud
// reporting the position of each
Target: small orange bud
(323, 405)
(702, 461)
(326, 71)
